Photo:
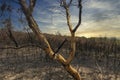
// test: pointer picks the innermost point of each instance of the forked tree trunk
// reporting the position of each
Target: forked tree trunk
(45, 44)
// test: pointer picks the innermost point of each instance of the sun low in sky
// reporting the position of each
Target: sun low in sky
(100, 18)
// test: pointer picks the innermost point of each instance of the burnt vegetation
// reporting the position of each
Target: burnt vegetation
(100, 54)
(33, 55)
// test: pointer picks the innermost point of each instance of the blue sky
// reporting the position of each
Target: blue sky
(99, 18)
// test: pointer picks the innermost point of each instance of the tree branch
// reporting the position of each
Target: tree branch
(24, 7)
(70, 3)
(32, 5)
(63, 3)
(66, 7)
(68, 19)
(72, 51)
(67, 15)
(80, 13)
(45, 44)
(73, 48)
(9, 33)
(60, 47)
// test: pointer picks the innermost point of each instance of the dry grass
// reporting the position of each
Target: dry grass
(32, 64)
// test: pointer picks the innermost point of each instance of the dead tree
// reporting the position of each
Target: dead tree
(28, 9)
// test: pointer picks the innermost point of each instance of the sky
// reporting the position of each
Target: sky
(100, 18)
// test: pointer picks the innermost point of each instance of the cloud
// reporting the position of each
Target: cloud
(97, 4)
(107, 27)
(101, 9)
(99, 17)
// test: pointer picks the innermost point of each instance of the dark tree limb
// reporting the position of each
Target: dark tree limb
(70, 3)
(60, 46)
(9, 33)
(80, 13)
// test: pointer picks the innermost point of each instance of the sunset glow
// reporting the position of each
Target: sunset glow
(99, 18)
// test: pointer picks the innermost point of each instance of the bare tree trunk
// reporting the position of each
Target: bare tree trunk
(45, 44)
